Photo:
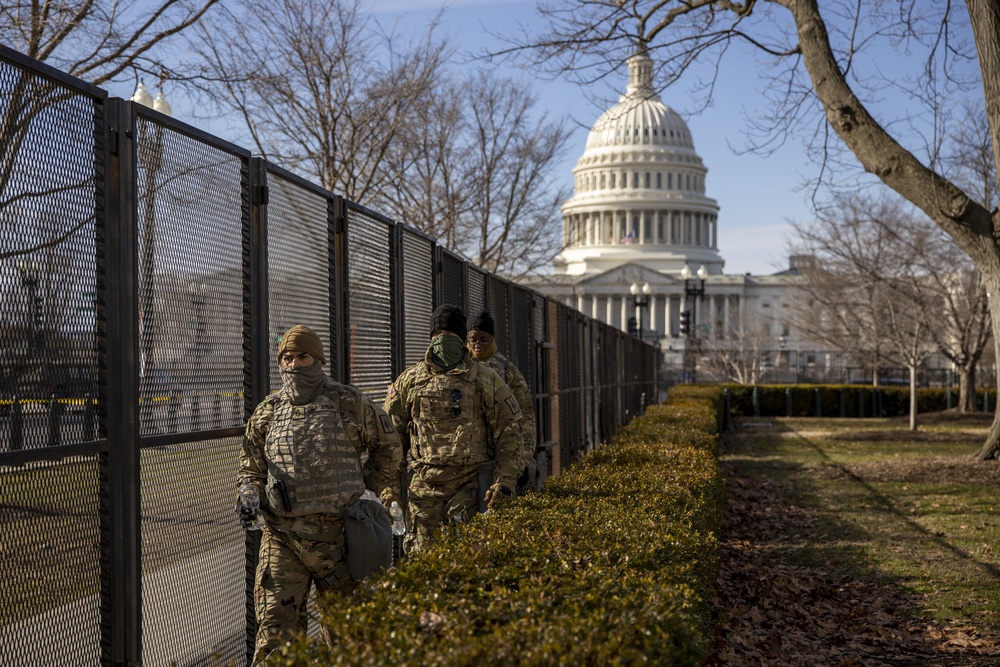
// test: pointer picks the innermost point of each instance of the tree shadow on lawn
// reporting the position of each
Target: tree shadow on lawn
(796, 585)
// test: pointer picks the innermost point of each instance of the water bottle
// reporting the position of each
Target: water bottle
(398, 525)
(369, 495)
(250, 505)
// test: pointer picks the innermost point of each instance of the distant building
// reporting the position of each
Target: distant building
(641, 215)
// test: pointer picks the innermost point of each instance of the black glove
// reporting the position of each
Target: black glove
(248, 517)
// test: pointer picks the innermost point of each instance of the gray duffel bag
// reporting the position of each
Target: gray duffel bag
(368, 534)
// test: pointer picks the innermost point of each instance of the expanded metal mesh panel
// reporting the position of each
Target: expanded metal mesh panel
(369, 248)
(193, 554)
(300, 282)
(477, 291)
(500, 309)
(418, 295)
(50, 524)
(521, 343)
(191, 212)
(50, 190)
(453, 281)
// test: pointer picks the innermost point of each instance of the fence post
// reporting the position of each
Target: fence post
(947, 395)
(861, 403)
(842, 403)
(172, 412)
(88, 417)
(986, 400)
(756, 402)
(788, 401)
(54, 419)
(195, 413)
(237, 408)
(819, 402)
(217, 411)
(16, 426)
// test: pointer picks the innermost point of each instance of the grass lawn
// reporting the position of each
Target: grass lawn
(889, 535)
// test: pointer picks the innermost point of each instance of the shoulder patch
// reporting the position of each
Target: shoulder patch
(386, 423)
(512, 403)
(391, 391)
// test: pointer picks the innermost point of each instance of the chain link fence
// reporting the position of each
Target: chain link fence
(147, 270)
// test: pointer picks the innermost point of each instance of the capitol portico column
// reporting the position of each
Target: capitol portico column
(725, 315)
(608, 311)
(593, 307)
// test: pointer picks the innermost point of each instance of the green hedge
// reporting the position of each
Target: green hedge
(848, 400)
(611, 563)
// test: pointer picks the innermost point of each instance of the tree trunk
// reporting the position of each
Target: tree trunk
(967, 388)
(913, 398)
(991, 448)
(970, 225)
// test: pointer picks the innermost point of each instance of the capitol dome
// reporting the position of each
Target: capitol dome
(639, 192)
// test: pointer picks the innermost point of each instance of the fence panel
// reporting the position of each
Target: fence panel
(477, 291)
(299, 260)
(418, 294)
(192, 213)
(371, 263)
(452, 280)
(51, 208)
(500, 310)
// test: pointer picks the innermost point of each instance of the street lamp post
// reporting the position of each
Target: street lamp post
(689, 317)
(640, 301)
(147, 262)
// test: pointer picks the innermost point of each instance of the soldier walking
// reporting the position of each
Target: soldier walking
(483, 346)
(458, 419)
(302, 451)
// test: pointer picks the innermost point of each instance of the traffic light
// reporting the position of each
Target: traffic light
(685, 322)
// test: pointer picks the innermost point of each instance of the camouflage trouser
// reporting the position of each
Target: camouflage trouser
(432, 504)
(289, 564)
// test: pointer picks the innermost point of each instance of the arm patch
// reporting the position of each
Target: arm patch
(513, 405)
(386, 423)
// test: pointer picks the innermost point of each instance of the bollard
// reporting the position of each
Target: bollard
(788, 401)
(195, 413)
(874, 402)
(861, 403)
(986, 400)
(842, 403)
(55, 417)
(756, 402)
(16, 426)
(88, 418)
(217, 411)
(727, 406)
(947, 398)
(642, 404)
(819, 403)
(237, 409)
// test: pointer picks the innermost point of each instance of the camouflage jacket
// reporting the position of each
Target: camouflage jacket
(506, 369)
(460, 418)
(307, 459)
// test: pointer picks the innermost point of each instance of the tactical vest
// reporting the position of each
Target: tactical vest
(448, 427)
(313, 467)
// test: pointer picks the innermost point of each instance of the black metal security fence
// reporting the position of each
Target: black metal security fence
(146, 271)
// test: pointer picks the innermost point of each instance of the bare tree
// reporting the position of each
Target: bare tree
(818, 61)
(742, 356)
(319, 87)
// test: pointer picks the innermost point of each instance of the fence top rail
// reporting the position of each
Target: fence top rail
(367, 212)
(300, 181)
(191, 131)
(47, 71)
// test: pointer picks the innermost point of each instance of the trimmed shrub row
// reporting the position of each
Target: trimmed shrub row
(612, 563)
(843, 400)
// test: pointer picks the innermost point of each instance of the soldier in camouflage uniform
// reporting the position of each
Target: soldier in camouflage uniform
(483, 347)
(303, 451)
(457, 418)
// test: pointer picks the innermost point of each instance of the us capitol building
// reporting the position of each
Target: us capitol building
(640, 240)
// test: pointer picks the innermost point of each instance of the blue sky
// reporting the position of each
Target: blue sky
(757, 196)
